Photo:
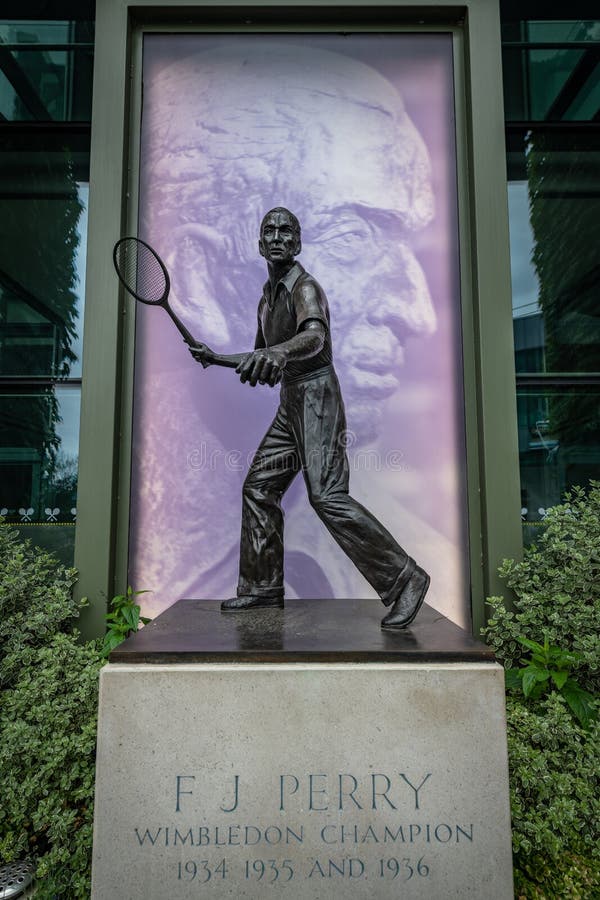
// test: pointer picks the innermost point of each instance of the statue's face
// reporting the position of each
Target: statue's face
(278, 239)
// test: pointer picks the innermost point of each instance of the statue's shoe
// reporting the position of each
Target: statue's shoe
(409, 602)
(249, 601)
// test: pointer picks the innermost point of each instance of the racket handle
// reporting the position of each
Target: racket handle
(185, 334)
(230, 362)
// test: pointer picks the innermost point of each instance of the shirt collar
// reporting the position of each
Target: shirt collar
(288, 280)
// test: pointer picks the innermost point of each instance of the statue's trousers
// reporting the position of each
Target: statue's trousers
(308, 434)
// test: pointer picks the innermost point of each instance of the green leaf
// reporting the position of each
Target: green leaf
(530, 680)
(111, 641)
(532, 645)
(580, 701)
(512, 679)
(131, 616)
(131, 593)
(559, 677)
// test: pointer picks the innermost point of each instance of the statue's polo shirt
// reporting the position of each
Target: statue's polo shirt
(282, 311)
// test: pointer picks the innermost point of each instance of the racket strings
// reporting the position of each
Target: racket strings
(141, 271)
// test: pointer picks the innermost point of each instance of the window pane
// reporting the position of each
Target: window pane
(57, 538)
(548, 71)
(38, 455)
(28, 31)
(551, 84)
(46, 70)
(554, 227)
(43, 196)
(549, 31)
(559, 446)
(563, 31)
(48, 85)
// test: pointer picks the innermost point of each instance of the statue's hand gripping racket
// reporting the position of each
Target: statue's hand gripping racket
(143, 274)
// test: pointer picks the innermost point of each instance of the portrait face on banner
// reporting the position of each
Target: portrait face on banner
(355, 135)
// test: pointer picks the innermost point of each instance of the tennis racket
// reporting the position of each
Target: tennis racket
(143, 274)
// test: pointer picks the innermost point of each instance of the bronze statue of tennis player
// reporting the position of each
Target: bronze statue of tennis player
(308, 434)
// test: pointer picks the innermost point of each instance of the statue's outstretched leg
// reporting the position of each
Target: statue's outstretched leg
(317, 419)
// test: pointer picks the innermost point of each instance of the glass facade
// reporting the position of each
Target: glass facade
(551, 68)
(552, 99)
(45, 108)
(46, 70)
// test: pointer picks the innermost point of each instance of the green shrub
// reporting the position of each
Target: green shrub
(48, 703)
(36, 600)
(554, 776)
(555, 800)
(557, 589)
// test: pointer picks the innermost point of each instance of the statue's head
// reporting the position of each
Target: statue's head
(253, 122)
(280, 237)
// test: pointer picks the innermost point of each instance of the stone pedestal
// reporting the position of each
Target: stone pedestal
(302, 780)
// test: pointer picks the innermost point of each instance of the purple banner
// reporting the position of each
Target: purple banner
(354, 134)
